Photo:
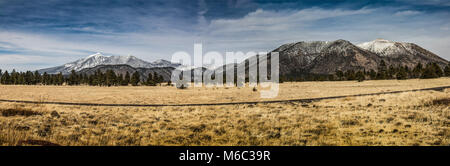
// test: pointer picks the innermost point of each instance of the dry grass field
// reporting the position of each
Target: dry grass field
(410, 118)
(171, 95)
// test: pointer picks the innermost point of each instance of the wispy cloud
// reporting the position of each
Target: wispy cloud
(266, 20)
(407, 13)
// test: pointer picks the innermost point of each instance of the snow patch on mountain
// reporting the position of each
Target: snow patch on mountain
(387, 48)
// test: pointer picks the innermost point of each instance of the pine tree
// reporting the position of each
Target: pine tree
(429, 72)
(14, 77)
(73, 78)
(382, 66)
(60, 79)
(339, 75)
(119, 79)
(390, 72)
(447, 70)
(161, 79)
(28, 78)
(110, 78)
(372, 74)
(54, 79)
(37, 78)
(150, 80)
(155, 77)
(402, 74)
(6, 78)
(360, 76)
(417, 71)
(127, 79)
(135, 79)
(86, 79)
(350, 75)
(382, 71)
(96, 80)
(21, 79)
(101, 78)
(45, 78)
(437, 69)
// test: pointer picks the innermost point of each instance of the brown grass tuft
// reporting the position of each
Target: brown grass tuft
(444, 101)
(18, 112)
(37, 142)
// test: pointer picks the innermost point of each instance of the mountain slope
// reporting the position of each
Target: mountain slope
(98, 59)
(320, 57)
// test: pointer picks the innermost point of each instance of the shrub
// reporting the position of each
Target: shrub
(18, 112)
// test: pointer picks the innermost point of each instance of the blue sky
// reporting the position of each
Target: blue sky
(36, 34)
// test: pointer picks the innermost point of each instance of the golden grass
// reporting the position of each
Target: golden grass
(411, 118)
(172, 95)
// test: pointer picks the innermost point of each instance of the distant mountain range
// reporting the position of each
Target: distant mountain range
(99, 59)
(316, 57)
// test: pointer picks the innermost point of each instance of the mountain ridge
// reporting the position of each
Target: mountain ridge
(99, 59)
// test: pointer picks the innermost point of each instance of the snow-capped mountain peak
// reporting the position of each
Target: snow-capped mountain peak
(162, 61)
(386, 48)
(99, 59)
(95, 55)
(408, 52)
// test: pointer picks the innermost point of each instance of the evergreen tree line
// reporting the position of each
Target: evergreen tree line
(108, 78)
(431, 70)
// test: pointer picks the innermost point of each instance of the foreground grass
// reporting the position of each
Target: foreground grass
(412, 118)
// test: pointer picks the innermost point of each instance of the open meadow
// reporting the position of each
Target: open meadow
(409, 118)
